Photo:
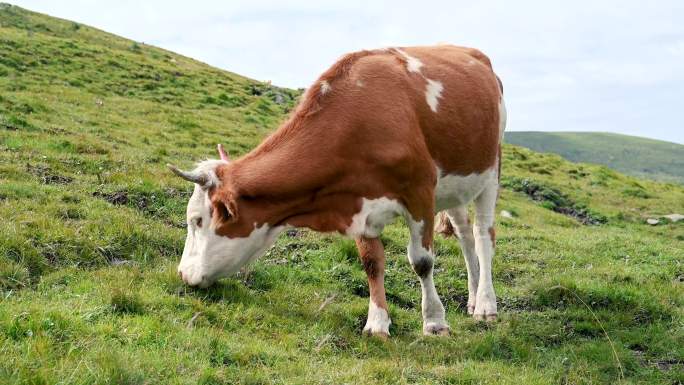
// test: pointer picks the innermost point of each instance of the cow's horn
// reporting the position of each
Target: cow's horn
(222, 153)
(200, 178)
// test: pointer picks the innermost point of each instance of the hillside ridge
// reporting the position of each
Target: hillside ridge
(633, 155)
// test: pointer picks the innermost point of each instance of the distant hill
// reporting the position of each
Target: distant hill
(642, 157)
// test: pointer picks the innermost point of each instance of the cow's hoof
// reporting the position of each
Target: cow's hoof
(471, 309)
(383, 335)
(378, 324)
(485, 308)
(435, 329)
(485, 317)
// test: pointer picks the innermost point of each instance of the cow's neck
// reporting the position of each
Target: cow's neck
(300, 182)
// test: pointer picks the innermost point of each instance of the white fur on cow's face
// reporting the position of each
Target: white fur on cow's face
(208, 256)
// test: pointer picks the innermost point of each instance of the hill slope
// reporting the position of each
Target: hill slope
(641, 157)
(92, 229)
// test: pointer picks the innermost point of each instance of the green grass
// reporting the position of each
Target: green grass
(92, 230)
(640, 157)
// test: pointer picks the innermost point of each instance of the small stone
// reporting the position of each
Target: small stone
(652, 221)
(506, 214)
(674, 217)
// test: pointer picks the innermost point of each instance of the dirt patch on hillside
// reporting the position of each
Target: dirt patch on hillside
(553, 199)
(162, 204)
(46, 175)
(116, 198)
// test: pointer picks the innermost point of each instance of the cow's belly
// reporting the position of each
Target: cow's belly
(457, 190)
(375, 214)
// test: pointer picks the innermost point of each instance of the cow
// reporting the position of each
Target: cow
(409, 132)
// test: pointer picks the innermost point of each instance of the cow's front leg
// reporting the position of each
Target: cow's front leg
(422, 260)
(373, 258)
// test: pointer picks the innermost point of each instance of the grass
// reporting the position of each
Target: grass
(92, 230)
(640, 157)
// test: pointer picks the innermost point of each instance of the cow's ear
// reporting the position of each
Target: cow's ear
(223, 212)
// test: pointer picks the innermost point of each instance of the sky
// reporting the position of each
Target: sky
(598, 65)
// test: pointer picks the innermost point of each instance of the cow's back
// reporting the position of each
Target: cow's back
(462, 131)
(449, 93)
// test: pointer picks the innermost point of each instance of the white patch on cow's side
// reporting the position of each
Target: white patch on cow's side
(378, 321)
(359, 83)
(373, 216)
(433, 92)
(457, 190)
(325, 87)
(413, 64)
(208, 256)
(433, 89)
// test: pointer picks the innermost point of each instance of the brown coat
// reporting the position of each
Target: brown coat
(366, 129)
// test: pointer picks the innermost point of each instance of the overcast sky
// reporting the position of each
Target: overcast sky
(566, 66)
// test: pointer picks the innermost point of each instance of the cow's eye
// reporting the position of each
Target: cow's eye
(198, 222)
(223, 212)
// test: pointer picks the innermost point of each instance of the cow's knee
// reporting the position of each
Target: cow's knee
(422, 265)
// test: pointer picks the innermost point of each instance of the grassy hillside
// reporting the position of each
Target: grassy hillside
(641, 157)
(92, 230)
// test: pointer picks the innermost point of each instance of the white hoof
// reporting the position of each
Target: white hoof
(439, 328)
(484, 317)
(485, 307)
(378, 322)
(376, 333)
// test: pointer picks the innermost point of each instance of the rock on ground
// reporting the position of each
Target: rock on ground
(506, 214)
(674, 217)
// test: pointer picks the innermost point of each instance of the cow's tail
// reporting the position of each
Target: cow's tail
(503, 117)
(443, 225)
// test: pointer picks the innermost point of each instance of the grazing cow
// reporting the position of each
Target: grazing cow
(383, 133)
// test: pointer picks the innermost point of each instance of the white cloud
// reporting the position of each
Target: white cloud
(581, 65)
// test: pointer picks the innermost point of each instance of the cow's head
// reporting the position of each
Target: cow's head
(223, 232)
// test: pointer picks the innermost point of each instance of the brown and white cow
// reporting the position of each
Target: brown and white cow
(383, 133)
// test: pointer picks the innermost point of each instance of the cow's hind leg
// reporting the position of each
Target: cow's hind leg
(458, 217)
(422, 260)
(373, 258)
(485, 205)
